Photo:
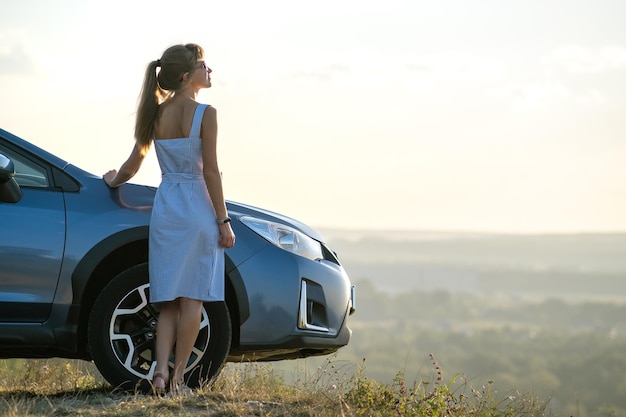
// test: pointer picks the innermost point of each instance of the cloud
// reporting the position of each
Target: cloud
(323, 73)
(15, 58)
(547, 95)
(456, 65)
(583, 60)
(568, 76)
(539, 95)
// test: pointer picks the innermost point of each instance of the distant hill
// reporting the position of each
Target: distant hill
(588, 265)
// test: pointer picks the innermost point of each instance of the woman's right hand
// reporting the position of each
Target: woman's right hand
(109, 177)
(227, 236)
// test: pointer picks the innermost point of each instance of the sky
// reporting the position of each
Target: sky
(485, 116)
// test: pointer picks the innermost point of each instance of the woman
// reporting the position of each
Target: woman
(189, 227)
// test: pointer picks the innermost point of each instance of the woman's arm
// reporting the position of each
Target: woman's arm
(128, 169)
(212, 176)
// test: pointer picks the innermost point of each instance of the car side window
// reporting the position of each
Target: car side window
(27, 172)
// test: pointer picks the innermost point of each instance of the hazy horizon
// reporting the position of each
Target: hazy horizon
(402, 234)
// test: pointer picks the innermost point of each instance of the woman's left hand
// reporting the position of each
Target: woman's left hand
(227, 236)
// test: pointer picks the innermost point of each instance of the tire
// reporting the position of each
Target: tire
(122, 334)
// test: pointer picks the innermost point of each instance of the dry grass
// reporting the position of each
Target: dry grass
(70, 388)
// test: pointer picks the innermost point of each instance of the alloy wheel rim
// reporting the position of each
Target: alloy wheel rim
(132, 334)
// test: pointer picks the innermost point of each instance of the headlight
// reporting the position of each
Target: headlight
(285, 237)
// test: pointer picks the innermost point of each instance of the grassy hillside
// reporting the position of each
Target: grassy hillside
(542, 314)
(516, 326)
(61, 388)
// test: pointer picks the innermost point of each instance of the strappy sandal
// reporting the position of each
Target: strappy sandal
(158, 390)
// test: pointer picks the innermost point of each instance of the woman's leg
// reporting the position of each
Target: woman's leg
(166, 337)
(186, 335)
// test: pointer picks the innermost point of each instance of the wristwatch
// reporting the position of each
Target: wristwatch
(223, 221)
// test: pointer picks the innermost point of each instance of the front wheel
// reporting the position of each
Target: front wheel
(122, 334)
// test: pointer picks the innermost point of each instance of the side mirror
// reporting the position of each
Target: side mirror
(10, 191)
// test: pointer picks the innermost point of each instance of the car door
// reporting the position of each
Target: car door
(32, 239)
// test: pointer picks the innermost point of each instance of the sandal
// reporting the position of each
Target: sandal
(157, 388)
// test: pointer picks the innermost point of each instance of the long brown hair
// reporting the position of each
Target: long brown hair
(158, 87)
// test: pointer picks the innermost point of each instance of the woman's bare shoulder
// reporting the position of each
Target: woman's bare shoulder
(174, 121)
(210, 114)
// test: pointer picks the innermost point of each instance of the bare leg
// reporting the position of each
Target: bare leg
(186, 335)
(166, 334)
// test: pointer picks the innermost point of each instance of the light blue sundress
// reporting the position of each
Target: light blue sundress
(185, 259)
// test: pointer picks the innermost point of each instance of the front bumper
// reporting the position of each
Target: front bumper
(298, 307)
